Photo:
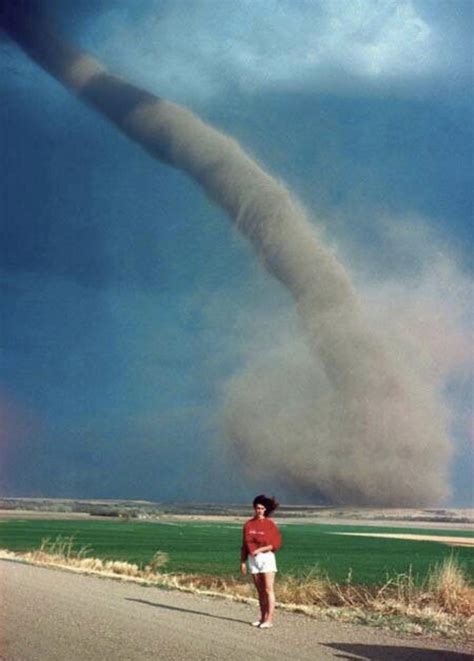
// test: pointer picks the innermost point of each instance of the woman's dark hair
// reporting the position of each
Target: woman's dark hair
(270, 503)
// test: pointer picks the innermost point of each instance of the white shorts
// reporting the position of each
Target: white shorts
(262, 563)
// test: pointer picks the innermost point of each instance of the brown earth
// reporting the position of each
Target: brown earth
(455, 519)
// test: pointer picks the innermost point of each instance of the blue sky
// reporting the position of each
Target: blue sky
(129, 301)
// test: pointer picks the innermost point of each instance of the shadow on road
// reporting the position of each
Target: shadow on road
(392, 653)
(185, 610)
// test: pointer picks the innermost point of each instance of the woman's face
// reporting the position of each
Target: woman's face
(259, 511)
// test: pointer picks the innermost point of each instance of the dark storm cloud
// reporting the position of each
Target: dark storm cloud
(158, 347)
(373, 405)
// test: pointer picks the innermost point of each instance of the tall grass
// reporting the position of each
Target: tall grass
(63, 547)
(447, 582)
(62, 551)
(443, 602)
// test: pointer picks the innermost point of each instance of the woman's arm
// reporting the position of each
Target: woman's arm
(243, 554)
(244, 549)
(275, 537)
(263, 549)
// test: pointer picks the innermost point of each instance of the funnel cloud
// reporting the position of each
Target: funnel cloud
(346, 416)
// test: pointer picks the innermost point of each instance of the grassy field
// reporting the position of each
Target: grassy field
(213, 548)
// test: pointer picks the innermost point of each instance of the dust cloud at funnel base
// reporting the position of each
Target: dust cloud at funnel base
(352, 421)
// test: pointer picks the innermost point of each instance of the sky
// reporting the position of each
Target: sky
(130, 302)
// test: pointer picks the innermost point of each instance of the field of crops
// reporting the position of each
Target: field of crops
(213, 548)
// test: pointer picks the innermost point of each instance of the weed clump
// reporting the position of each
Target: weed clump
(62, 551)
(448, 584)
(158, 561)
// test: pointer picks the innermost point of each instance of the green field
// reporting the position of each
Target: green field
(213, 548)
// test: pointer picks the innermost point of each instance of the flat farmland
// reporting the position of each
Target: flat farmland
(212, 548)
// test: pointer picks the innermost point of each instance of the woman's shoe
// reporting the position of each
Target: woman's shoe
(257, 623)
(265, 625)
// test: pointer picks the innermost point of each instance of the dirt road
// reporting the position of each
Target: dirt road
(51, 615)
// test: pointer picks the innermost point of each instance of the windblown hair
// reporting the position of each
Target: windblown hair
(269, 502)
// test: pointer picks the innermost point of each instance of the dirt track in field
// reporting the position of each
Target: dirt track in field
(442, 539)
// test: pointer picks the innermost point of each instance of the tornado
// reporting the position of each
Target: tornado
(356, 424)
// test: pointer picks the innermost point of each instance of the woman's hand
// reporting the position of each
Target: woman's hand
(263, 549)
(243, 568)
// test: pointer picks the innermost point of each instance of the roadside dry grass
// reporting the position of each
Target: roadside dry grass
(443, 605)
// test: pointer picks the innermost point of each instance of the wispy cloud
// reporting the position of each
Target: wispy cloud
(194, 49)
(198, 49)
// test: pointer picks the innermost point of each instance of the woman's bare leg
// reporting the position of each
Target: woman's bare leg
(259, 580)
(268, 583)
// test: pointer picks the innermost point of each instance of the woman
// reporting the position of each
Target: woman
(261, 538)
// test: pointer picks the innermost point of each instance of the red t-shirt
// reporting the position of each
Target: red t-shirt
(258, 533)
